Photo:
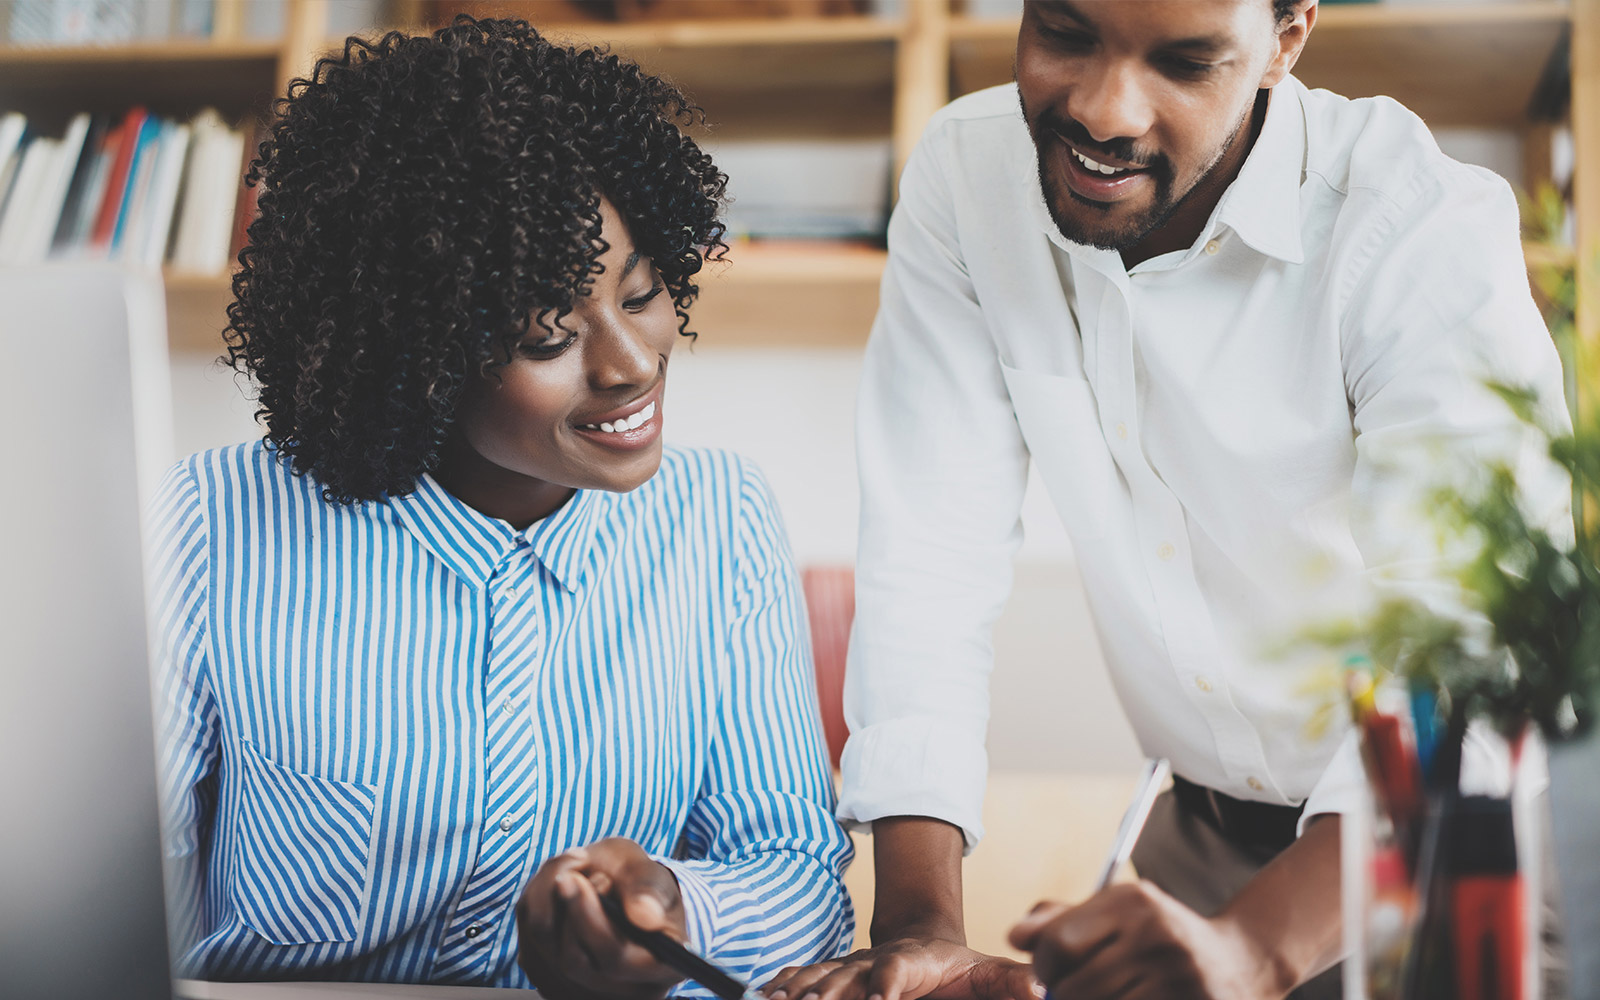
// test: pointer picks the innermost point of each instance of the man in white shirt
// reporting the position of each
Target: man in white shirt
(1214, 308)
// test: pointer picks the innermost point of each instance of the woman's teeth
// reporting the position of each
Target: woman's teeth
(626, 423)
(1096, 166)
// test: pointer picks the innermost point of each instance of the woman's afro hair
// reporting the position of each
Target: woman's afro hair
(421, 198)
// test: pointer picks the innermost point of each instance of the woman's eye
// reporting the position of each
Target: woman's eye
(638, 302)
(549, 347)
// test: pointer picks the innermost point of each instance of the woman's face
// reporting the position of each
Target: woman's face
(579, 406)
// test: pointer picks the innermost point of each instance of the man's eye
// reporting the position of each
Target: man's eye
(1067, 38)
(1188, 67)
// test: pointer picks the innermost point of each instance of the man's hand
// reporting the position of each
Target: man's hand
(905, 969)
(1134, 941)
(569, 948)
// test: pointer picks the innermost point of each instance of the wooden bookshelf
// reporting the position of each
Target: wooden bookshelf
(50, 83)
(1471, 64)
(762, 294)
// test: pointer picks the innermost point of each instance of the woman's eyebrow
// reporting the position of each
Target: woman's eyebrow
(631, 263)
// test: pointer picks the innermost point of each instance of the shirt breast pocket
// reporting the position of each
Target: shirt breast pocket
(1060, 422)
(303, 846)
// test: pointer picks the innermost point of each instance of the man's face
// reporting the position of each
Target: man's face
(1134, 104)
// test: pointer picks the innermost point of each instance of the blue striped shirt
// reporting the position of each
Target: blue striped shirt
(380, 719)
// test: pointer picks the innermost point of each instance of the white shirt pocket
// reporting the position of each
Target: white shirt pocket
(303, 846)
(1060, 422)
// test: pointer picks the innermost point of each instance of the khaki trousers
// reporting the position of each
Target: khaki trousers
(1190, 860)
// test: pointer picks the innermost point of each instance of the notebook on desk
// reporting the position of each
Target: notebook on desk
(191, 990)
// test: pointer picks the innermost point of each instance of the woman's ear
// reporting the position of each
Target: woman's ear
(1291, 39)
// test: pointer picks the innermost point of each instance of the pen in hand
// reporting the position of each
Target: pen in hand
(1144, 796)
(677, 956)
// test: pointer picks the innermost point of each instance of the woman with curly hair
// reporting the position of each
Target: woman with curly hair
(460, 647)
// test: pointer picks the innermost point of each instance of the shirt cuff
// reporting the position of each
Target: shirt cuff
(700, 910)
(914, 766)
(1487, 765)
(1343, 786)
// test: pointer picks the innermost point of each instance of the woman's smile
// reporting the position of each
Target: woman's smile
(630, 427)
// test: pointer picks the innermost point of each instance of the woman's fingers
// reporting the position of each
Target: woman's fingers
(612, 958)
(647, 890)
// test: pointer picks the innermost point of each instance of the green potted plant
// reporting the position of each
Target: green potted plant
(1527, 653)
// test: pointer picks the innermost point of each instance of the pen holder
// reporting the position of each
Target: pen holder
(1443, 902)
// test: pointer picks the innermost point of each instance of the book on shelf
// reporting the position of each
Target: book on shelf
(140, 188)
(103, 22)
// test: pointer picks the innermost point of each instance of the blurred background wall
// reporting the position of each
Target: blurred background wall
(123, 126)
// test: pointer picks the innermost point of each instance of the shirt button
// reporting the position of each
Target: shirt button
(1166, 551)
(474, 930)
(1212, 247)
(1255, 784)
(508, 706)
(1203, 683)
(1122, 431)
(505, 825)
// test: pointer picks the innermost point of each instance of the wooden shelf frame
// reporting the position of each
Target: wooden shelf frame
(868, 75)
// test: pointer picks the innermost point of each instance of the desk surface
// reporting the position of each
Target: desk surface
(190, 989)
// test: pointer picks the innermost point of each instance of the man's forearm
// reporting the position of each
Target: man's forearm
(1290, 910)
(917, 871)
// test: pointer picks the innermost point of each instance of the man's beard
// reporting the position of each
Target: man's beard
(1134, 231)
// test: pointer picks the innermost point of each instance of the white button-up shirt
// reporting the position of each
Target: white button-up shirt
(1218, 428)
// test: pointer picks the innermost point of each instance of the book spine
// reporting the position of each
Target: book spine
(138, 179)
(164, 194)
(116, 182)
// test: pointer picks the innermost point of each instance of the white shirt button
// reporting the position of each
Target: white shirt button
(505, 825)
(1203, 683)
(1212, 246)
(507, 706)
(1122, 431)
(1255, 784)
(1166, 551)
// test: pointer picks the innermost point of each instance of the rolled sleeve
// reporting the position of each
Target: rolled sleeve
(943, 468)
(916, 767)
(1342, 788)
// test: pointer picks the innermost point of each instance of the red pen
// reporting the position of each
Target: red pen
(1487, 897)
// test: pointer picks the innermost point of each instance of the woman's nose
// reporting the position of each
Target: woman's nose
(620, 355)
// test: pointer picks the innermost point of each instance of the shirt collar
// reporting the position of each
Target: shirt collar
(565, 541)
(473, 544)
(1262, 204)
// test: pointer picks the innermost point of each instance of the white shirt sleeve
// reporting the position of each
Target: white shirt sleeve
(943, 469)
(1440, 306)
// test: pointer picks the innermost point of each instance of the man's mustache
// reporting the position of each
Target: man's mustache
(1122, 149)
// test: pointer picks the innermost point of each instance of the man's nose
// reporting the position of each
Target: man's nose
(1112, 104)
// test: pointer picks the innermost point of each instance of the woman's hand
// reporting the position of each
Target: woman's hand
(569, 948)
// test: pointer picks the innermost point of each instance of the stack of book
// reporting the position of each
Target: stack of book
(66, 22)
(144, 189)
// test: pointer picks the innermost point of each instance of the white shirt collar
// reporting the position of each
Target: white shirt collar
(1262, 204)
